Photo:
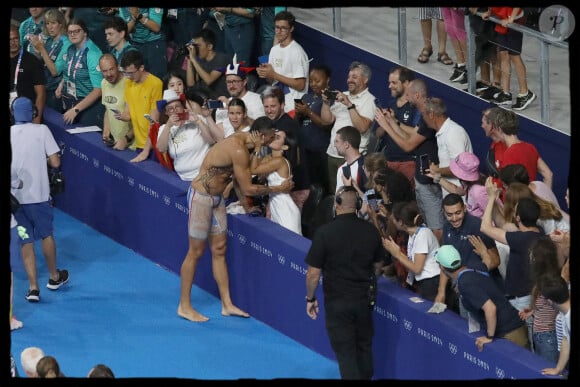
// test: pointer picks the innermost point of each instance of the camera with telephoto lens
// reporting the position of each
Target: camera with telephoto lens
(330, 94)
(184, 51)
(55, 180)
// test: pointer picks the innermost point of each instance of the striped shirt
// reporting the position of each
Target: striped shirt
(563, 327)
(142, 34)
(544, 315)
(81, 67)
(28, 26)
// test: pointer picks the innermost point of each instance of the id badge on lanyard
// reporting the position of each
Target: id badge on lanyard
(13, 95)
(71, 88)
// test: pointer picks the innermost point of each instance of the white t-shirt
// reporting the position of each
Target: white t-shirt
(292, 62)
(423, 241)
(365, 106)
(254, 108)
(452, 139)
(31, 145)
(187, 147)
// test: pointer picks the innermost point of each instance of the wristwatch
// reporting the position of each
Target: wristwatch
(77, 111)
(351, 107)
(310, 299)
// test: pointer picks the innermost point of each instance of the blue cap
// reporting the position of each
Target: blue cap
(22, 109)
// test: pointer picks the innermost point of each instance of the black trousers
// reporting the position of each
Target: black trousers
(350, 328)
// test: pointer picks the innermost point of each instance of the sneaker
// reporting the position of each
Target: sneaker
(490, 93)
(502, 99)
(481, 87)
(463, 79)
(33, 295)
(458, 73)
(455, 73)
(524, 102)
(15, 323)
(62, 279)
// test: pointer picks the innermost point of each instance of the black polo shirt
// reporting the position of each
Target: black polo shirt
(346, 250)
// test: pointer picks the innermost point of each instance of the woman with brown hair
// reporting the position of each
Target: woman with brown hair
(551, 217)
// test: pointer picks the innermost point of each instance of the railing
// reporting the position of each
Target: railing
(544, 40)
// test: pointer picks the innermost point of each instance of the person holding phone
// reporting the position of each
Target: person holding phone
(347, 143)
(288, 63)
(186, 136)
(314, 133)
(116, 133)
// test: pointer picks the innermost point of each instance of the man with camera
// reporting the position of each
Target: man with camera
(354, 107)
(347, 253)
(205, 65)
(32, 147)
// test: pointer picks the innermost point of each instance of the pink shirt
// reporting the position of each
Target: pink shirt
(476, 200)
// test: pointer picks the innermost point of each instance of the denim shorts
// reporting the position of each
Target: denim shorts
(546, 345)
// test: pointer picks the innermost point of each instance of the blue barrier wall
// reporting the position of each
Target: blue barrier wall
(143, 206)
(462, 107)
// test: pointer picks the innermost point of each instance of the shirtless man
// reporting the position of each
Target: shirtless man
(226, 160)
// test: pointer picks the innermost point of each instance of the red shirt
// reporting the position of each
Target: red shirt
(521, 153)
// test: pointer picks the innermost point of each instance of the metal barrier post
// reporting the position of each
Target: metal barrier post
(336, 19)
(471, 48)
(544, 82)
(402, 32)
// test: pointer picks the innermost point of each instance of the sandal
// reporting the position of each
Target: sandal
(425, 55)
(444, 58)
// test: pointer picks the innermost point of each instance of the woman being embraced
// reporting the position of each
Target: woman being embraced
(277, 167)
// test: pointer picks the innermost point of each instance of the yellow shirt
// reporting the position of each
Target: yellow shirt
(142, 98)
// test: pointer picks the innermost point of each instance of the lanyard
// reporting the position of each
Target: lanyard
(80, 57)
(18, 67)
(410, 254)
(55, 45)
(461, 273)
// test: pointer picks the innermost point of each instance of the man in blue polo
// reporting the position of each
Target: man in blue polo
(477, 250)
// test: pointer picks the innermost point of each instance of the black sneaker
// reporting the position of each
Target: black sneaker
(524, 102)
(503, 99)
(489, 93)
(455, 73)
(62, 279)
(458, 74)
(33, 295)
(463, 79)
(481, 87)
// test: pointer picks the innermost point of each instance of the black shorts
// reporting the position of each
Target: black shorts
(510, 42)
